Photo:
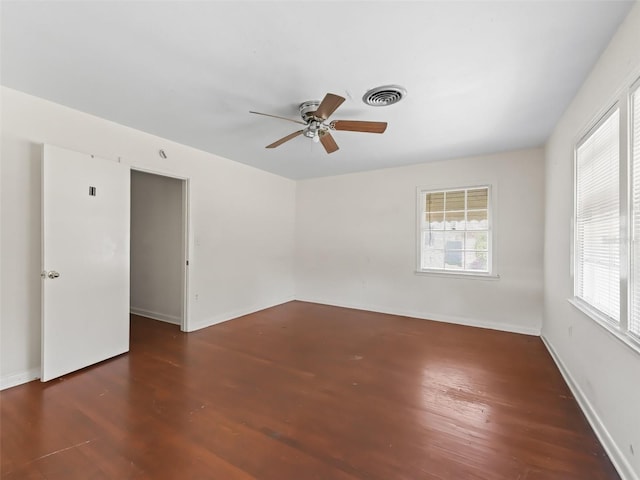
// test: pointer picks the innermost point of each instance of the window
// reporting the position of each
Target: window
(634, 317)
(455, 230)
(607, 220)
(597, 248)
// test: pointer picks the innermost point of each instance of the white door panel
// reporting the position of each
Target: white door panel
(85, 311)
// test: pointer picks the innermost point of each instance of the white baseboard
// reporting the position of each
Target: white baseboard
(15, 379)
(436, 317)
(156, 315)
(225, 317)
(615, 453)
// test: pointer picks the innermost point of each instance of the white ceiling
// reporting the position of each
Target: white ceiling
(481, 76)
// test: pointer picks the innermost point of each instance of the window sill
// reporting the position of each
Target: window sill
(454, 274)
(601, 320)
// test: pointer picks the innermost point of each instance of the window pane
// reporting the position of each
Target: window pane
(433, 258)
(478, 220)
(433, 240)
(454, 200)
(434, 202)
(634, 314)
(454, 240)
(477, 199)
(435, 221)
(597, 250)
(454, 246)
(454, 220)
(475, 260)
(453, 260)
(477, 241)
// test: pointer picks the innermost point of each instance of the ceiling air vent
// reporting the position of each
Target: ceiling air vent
(384, 96)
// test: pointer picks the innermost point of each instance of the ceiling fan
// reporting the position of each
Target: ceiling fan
(314, 117)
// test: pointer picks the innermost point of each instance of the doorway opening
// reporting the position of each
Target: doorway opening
(159, 247)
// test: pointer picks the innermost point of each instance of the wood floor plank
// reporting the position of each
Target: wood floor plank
(306, 391)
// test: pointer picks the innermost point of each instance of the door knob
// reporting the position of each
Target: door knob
(53, 274)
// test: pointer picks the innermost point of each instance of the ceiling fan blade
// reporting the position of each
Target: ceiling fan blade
(359, 126)
(329, 104)
(276, 116)
(328, 142)
(285, 139)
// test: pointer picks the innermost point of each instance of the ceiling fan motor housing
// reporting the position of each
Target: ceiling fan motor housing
(307, 109)
(315, 126)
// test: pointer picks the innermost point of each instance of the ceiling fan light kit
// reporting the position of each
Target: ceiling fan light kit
(314, 116)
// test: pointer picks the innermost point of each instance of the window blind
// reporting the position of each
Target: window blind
(597, 248)
(634, 317)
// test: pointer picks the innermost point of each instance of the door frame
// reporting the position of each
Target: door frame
(186, 226)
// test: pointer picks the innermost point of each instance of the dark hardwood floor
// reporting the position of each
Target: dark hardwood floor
(305, 391)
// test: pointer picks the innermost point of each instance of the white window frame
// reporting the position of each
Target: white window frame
(602, 317)
(622, 102)
(492, 263)
(632, 242)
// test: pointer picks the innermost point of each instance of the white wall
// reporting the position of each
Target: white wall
(157, 246)
(241, 222)
(604, 373)
(356, 243)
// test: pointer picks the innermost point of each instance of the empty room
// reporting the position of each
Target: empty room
(295, 240)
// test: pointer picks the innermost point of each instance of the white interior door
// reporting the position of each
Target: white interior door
(85, 286)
